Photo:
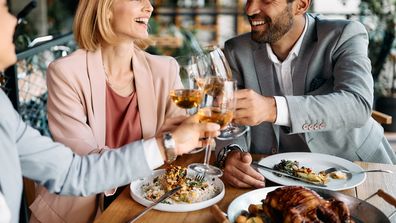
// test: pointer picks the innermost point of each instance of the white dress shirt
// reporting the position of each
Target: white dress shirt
(152, 153)
(284, 72)
(5, 213)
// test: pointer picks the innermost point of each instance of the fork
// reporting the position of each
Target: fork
(199, 177)
(350, 173)
(162, 198)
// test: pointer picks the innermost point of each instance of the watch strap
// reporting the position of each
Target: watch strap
(222, 155)
(170, 145)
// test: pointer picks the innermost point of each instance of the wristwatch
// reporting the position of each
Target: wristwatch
(222, 155)
(170, 145)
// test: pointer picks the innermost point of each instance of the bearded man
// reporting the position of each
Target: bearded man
(306, 87)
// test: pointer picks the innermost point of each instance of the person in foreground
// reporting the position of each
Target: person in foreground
(111, 91)
(24, 152)
(306, 87)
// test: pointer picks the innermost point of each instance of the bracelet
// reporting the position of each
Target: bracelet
(222, 156)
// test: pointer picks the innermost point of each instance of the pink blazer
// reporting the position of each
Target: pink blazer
(76, 116)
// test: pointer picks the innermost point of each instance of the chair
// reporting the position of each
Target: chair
(381, 118)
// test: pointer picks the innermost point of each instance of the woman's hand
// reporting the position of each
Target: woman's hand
(172, 123)
(189, 134)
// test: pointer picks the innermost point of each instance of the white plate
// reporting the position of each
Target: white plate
(243, 201)
(317, 162)
(138, 195)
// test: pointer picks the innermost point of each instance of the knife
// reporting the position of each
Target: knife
(286, 174)
(162, 198)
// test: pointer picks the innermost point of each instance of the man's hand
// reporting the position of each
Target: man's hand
(253, 109)
(187, 136)
(239, 173)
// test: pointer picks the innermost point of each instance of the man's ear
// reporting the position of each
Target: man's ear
(302, 6)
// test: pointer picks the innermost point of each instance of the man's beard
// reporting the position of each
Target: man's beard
(276, 29)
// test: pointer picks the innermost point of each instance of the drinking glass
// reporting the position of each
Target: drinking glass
(219, 67)
(193, 69)
(190, 95)
(217, 106)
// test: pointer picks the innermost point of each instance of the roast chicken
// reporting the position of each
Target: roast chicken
(296, 204)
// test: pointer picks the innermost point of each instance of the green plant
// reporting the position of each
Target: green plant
(379, 16)
(190, 44)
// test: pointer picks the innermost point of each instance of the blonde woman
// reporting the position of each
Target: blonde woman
(106, 94)
(24, 152)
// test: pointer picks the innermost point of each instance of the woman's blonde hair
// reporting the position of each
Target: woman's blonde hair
(92, 25)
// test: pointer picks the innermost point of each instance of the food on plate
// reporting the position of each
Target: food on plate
(293, 168)
(174, 176)
(246, 217)
(192, 190)
(254, 214)
(296, 204)
(338, 175)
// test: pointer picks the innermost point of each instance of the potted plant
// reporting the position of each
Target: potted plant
(379, 17)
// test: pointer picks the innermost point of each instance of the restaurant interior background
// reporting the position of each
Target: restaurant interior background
(180, 27)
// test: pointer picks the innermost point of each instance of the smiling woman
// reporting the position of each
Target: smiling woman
(110, 90)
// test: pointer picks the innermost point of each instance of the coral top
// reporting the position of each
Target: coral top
(122, 119)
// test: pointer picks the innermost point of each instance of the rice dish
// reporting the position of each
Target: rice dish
(192, 190)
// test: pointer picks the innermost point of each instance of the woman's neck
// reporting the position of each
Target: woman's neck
(117, 65)
(117, 59)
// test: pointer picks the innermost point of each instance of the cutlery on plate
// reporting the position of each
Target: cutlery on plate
(286, 174)
(350, 173)
(162, 198)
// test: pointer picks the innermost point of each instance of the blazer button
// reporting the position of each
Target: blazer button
(311, 127)
(316, 127)
(305, 127)
(322, 125)
(274, 150)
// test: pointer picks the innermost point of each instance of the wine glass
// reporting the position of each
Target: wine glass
(190, 95)
(217, 106)
(219, 67)
(193, 69)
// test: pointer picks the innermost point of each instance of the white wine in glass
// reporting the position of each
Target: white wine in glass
(190, 95)
(215, 115)
(218, 107)
(186, 98)
(219, 67)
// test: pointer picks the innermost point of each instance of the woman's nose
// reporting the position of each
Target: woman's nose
(148, 7)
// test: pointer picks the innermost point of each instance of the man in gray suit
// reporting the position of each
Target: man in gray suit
(23, 151)
(307, 86)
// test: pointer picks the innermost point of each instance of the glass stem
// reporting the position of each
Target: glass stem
(208, 151)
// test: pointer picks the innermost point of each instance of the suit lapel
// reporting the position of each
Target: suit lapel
(265, 76)
(302, 62)
(96, 75)
(145, 93)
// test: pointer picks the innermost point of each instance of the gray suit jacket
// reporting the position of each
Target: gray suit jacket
(23, 151)
(332, 100)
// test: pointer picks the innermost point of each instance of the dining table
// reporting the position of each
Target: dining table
(124, 207)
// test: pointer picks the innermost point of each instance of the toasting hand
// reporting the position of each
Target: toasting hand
(253, 109)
